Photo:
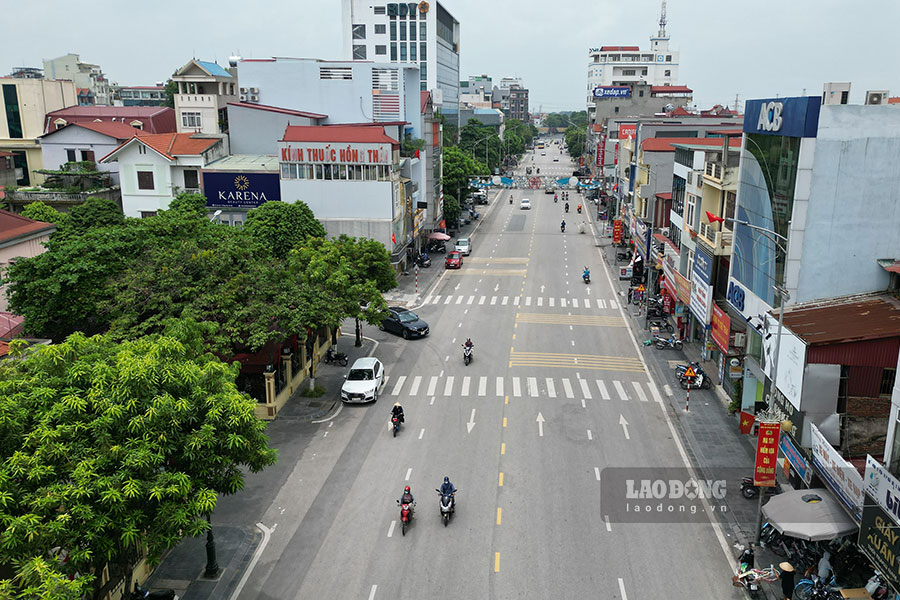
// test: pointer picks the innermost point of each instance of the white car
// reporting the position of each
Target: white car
(463, 246)
(525, 204)
(364, 381)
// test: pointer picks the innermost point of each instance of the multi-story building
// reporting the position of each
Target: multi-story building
(422, 33)
(25, 103)
(625, 65)
(152, 119)
(91, 83)
(86, 142)
(518, 103)
(27, 73)
(476, 92)
(204, 91)
(138, 95)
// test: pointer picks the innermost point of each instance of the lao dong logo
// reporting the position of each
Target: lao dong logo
(675, 489)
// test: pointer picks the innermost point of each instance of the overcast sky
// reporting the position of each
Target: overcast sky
(752, 48)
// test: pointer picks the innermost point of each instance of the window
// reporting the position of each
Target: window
(640, 93)
(887, 381)
(422, 30)
(394, 51)
(423, 70)
(380, 10)
(402, 31)
(190, 119)
(359, 52)
(87, 156)
(423, 53)
(145, 180)
(319, 172)
(668, 58)
(146, 214)
(628, 72)
(380, 50)
(668, 73)
(191, 179)
(359, 32)
(403, 52)
(142, 149)
(412, 32)
(381, 28)
(393, 31)
(11, 104)
(616, 110)
(70, 156)
(137, 124)
(412, 51)
(285, 171)
(423, 86)
(689, 211)
(844, 97)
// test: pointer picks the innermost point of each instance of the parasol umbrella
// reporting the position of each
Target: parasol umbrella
(437, 235)
(808, 514)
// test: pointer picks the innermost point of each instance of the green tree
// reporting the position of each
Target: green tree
(276, 227)
(451, 208)
(575, 139)
(450, 132)
(459, 166)
(190, 204)
(96, 212)
(43, 212)
(482, 141)
(171, 89)
(110, 447)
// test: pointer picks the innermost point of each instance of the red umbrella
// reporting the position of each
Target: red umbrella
(437, 235)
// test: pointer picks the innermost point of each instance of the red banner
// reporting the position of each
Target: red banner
(721, 328)
(746, 422)
(668, 303)
(617, 231)
(766, 455)
(627, 131)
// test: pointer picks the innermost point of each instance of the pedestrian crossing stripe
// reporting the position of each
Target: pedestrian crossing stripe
(585, 303)
(467, 271)
(527, 387)
(557, 319)
(575, 361)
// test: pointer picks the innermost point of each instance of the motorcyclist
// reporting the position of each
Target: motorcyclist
(510, 198)
(586, 274)
(567, 207)
(579, 207)
(407, 497)
(555, 198)
(448, 489)
(397, 411)
(469, 345)
(562, 226)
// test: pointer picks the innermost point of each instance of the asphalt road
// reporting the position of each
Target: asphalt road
(525, 432)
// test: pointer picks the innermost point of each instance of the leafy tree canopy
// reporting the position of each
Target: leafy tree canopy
(44, 212)
(96, 212)
(458, 167)
(276, 227)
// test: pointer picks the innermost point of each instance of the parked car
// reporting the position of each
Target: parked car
(454, 260)
(555, 159)
(463, 246)
(525, 204)
(364, 380)
(549, 190)
(404, 322)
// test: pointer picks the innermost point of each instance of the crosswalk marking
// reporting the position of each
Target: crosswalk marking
(527, 300)
(516, 301)
(562, 302)
(552, 302)
(460, 299)
(532, 387)
(574, 302)
(465, 386)
(482, 386)
(600, 303)
(386, 379)
(505, 300)
(621, 390)
(432, 385)
(471, 300)
(499, 386)
(415, 385)
(517, 389)
(448, 386)
(585, 390)
(435, 299)
(449, 298)
(493, 300)
(587, 302)
(602, 387)
(481, 301)
(399, 385)
(551, 388)
(655, 392)
(612, 304)
(567, 388)
(540, 301)
(639, 390)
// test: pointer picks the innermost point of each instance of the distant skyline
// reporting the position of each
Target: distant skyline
(753, 50)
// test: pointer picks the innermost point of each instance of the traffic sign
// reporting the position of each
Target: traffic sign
(640, 288)
(690, 373)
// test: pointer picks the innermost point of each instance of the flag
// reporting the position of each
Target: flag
(713, 218)
(393, 238)
(417, 154)
(746, 423)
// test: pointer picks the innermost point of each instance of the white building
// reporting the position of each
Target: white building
(85, 76)
(86, 142)
(422, 33)
(155, 168)
(204, 91)
(620, 65)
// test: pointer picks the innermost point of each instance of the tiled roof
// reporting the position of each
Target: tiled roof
(278, 109)
(4, 153)
(423, 100)
(119, 131)
(664, 195)
(213, 69)
(681, 112)
(109, 112)
(666, 144)
(850, 319)
(670, 89)
(373, 134)
(13, 226)
(170, 145)
(894, 100)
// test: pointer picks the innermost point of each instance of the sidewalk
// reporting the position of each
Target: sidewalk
(715, 447)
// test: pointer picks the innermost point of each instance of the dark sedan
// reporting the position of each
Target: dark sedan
(404, 322)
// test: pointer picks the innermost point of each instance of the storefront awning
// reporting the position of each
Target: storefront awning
(809, 515)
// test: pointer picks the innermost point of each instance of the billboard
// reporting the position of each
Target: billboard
(612, 91)
(240, 190)
(627, 131)
(789, 117)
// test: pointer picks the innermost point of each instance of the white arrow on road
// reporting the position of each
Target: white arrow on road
(471, 422)
(457, 287)
(540, 422)
(496, 287)
(542, 289)
(624, 425)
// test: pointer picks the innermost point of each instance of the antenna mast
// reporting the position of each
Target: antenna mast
(662, 20)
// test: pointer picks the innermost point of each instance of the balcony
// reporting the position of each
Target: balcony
(715, 175)
(197, 100)
(719, 242)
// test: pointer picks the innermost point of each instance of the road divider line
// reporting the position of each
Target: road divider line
(503, 448)
(597, 473)
(504, 421)
(622, 589)
(408, 473)
(583, 405)
(606, 519)
(372, 593)
(497, 563)
(590, 435)
(421, 433)
(499, 514)
(391, 528)
(500, 483)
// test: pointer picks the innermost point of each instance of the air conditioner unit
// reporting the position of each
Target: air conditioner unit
(243, 90)
(254, 90)
(243, 96)
(665, 231)
(876, 97)
(740, 339)
(254, 98)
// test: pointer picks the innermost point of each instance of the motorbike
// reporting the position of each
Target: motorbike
(406, 515)
(579, 209)
(750, 491)
(510, 198)
(669, 342)
(586, 276)
(567, 207)
(467, 354)
(700, 382)
(562, 227)
(336, 357)
(395, 424)
(680, 369)
(140, 593)
(448, 506)
(662, 324)
(624, 256)
(423, 260)
(437, 246)
(745, 577)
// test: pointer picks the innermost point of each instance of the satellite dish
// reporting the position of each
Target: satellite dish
(573, 180)
(496, 179)
(669, 107)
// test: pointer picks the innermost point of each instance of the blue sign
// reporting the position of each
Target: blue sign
(240, 190)
(795, 458)
(610, 91)
(702, 266)
(789, 117)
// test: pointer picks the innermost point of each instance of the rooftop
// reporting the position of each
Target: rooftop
(170, 145)
(668, 144)
(213, 69)
(670, 89)
(109, 111)
(620, 49)
(13, 227)
(278, 109)
(119, 131)
(847, 319)
(245, 162)
(373, 133)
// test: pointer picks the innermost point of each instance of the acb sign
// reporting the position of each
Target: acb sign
(770, 118)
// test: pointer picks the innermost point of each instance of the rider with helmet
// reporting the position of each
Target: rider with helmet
(448, 489)
(397, 411)
(407, 497)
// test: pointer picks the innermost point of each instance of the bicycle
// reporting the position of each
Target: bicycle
(816, 589)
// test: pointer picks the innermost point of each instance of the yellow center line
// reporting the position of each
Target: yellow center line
(501, 479)
(504, 421)
(499, 513)
(506, 401)
(496, 562)
(503, 448)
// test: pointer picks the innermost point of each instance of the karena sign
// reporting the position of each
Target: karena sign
(320, 152)
(240, 190)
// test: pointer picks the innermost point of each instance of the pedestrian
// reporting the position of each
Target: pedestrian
(787, 579)
(630, 292)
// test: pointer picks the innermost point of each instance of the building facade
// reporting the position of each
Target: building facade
(92, 85)
(87, 142)
(422, 33)
(152, 119)
(138, 95)
(25, 103)
(19, 238)
(518, 104)
(204, 91)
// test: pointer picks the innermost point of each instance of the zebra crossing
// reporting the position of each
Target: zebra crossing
(519, 387)
(551, 301)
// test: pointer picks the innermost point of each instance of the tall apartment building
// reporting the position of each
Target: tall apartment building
(421, 33)
(623, 65)
(90, 82)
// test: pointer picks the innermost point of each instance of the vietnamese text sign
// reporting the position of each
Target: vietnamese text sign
(883, 487)
(766, 455)
(795, 458)
(612, 91)
(841, 476)
(879, 540)
(627, 131)
(721, 328)
(322, 152)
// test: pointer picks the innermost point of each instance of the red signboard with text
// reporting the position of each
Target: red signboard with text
(766, 455)
(617, 231)
(721, 328)
(627, 131)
